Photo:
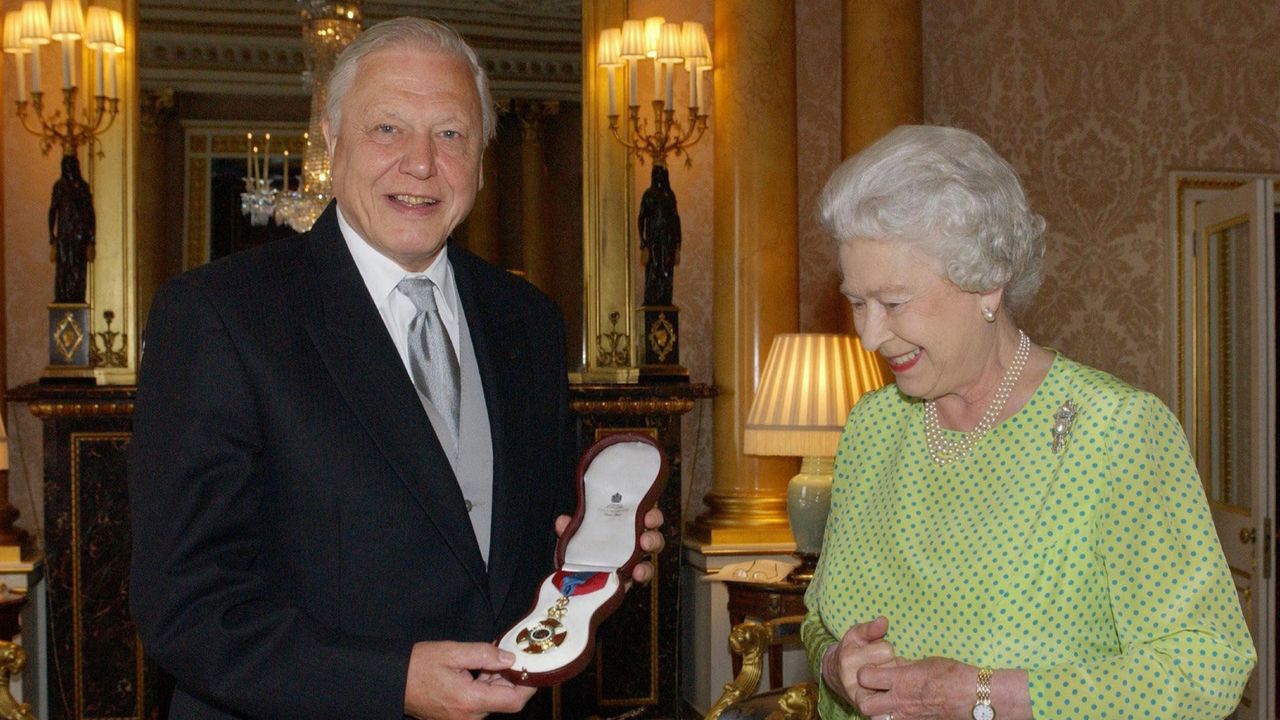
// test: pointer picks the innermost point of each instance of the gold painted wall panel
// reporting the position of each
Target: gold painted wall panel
(693, 186)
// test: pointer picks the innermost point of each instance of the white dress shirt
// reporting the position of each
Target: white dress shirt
(471, 457)
(381, 275)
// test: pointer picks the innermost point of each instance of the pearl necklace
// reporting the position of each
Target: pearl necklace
(943, 450)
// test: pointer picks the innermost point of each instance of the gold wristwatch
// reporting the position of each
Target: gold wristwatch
(982, 709)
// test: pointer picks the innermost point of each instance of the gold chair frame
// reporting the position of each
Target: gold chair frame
(751, 641)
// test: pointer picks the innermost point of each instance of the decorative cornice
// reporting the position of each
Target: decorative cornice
(191, 52)
(530, 48)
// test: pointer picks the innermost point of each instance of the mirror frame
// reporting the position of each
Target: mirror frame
(609, 343)
(111, 171)
(205, 141)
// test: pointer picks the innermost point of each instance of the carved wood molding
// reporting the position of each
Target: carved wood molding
(44, 409)
(666, 406)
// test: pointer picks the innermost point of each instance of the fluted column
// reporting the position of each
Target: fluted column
(482, 222)
(538, 266)
(755, 256)
(883, 70)
(158, 257)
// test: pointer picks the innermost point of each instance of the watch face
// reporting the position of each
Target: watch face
(983, 712)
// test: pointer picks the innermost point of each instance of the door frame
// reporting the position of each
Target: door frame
(1186, 189)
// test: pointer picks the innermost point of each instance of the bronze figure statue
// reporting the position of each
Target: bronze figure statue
(659, 237)
(72, 227)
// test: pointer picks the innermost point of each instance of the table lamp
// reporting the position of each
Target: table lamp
(809, 384)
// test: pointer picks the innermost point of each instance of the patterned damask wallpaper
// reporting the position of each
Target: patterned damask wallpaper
(1095, 102)
(818, 48)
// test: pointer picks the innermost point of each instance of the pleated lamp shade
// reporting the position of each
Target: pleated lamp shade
(66, 20)
(810, 383)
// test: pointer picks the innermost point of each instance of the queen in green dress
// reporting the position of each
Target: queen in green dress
(1012, 534)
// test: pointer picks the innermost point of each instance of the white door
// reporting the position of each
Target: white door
(1234, 404)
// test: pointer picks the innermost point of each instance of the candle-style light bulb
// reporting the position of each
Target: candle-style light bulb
(632, 53)
(100, 38)
(34, 33)
(608, 56)
(670, 53)
(266, 161)
(652, 34)
(117, 49)
(692, 36)
(66, 24)
(13, 46)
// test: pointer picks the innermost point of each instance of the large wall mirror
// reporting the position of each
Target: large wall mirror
(211, 71)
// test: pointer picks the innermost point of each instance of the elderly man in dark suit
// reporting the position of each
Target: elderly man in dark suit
(352, 448)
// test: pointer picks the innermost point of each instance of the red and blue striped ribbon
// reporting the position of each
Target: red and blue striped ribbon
(578, 583)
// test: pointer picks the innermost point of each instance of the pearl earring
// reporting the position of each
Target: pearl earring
(988, 314)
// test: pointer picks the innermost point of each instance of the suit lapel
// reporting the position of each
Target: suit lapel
(500, 341)
(352, 340)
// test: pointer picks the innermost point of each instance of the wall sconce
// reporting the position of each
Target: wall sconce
(667, 45)
(28, 30)
(73, 223)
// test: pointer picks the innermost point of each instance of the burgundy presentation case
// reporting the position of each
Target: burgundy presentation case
(620, 477)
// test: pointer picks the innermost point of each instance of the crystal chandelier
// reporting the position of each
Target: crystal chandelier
(258, 200)
(327, 28)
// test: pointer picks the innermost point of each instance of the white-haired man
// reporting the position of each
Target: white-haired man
(319, 529)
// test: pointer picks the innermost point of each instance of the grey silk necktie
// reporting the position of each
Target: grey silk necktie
(432, 361)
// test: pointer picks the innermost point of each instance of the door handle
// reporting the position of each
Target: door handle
(1248, 535)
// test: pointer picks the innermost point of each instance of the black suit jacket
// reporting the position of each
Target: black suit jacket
(296, 525)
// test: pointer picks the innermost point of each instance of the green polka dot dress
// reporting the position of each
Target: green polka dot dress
(1095, 568)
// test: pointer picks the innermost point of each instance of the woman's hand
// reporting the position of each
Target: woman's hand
(862, 646)
(939, 689)
(930, 689)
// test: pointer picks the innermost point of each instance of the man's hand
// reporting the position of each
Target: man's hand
(441, 685)
(651, 541)
(862, 646)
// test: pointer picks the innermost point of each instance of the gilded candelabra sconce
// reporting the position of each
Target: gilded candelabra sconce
(668, 45)
(613, 349)
(108, 355)
(72, 221)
